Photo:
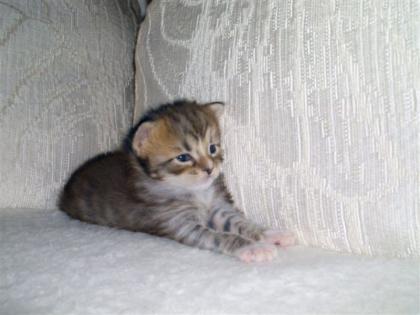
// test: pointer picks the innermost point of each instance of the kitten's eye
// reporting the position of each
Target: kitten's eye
(212, 148)
(184, 157)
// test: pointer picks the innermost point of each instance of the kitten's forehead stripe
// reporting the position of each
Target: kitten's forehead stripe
(186, 145)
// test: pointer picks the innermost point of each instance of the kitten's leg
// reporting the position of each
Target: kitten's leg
(232, 220)
(193, 234)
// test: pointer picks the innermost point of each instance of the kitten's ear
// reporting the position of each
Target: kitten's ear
(141, 137)
(217, 108)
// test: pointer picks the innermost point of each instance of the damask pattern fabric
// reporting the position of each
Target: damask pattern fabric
(66, 91)
(322, 118)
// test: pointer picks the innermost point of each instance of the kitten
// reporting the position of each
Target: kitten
(167, 181)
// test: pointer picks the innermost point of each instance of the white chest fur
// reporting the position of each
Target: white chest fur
(204, 198)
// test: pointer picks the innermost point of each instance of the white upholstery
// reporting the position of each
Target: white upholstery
(50, 264)
(322, 121)
(65, 91)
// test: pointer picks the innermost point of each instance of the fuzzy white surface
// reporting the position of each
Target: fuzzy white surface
(50, 264)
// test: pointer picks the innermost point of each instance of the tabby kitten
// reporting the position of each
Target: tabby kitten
(167, 181)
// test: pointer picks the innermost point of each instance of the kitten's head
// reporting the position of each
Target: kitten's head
(179, 144)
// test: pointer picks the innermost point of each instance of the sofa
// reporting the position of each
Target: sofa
(320, 135)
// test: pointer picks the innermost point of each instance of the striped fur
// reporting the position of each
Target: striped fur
(144, 187)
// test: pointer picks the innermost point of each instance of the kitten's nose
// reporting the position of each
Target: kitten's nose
(208, 170)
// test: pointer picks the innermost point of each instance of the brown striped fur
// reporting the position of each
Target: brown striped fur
(144, 187)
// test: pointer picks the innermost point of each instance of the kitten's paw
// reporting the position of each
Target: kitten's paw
(257, 252)
(279, 238)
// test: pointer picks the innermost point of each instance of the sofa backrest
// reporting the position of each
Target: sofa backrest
(66, 91)
(321, 127)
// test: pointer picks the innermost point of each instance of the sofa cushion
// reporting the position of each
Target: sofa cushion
(51, 264)
(321, 124)
(65, 91)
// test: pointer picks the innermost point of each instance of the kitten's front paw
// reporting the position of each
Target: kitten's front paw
(279, 238)
(257, 252)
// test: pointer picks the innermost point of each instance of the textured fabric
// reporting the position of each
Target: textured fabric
(66, 91)
(53, 265)
(321, 126)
